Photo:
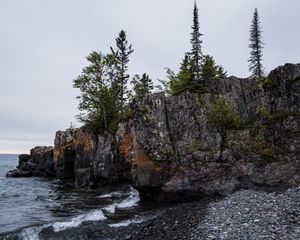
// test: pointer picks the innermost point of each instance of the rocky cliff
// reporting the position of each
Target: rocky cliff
(189, 156)
(38, 163)
(242, 133)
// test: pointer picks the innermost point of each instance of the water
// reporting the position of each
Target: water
(29, 205)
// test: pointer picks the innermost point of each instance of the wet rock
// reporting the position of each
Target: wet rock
(23, 158)
(39, 163)
(19, 173)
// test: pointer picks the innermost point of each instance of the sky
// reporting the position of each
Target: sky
(43, 45)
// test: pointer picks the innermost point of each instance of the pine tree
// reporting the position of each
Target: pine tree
(222, 74)
(196, 53)
(184, 73)
(147, 84)
(122, 57)
(256, 46)
(211, 71)
(142, 85)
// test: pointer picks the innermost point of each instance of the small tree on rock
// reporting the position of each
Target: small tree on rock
(97, 101)
(122, 57)
(256, 46)
(196, 52)
(142, 85)
(211, 71)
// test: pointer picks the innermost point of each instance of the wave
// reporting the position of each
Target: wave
(131, 201)
(33, 232)
(110, 195)
(96, 215)
(135, 220)
(126, 223)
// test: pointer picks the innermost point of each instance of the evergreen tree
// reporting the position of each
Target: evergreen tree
(222, 74)
(211, 71)
(256, 46)
(196, 52)
(142, 85)
(184, 73)
(147, 84)
(122, 57)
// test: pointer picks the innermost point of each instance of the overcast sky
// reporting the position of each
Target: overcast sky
(43, 45)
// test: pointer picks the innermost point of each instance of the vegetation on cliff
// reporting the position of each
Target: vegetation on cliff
(105, 92)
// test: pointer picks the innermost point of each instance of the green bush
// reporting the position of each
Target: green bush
(222, 116)
(266, 83)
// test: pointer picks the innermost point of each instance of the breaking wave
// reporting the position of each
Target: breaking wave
(130, 201)
(96, 215)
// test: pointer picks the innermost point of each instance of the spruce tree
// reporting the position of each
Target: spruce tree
(184, 73)
(122, 57)
(147, 84)
(256, 46)
(142, 85)
(196, 52)
(211, 71)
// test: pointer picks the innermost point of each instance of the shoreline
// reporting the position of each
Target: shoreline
(246, 214)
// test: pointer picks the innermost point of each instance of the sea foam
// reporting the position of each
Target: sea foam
(131, 201)
(96, 215)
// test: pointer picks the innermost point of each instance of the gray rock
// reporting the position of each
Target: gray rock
(39, 163)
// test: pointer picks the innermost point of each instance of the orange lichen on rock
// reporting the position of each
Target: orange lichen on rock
(126, 146)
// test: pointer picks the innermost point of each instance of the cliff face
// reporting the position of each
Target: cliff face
(188, 146)
(88, 160)
(190, 158)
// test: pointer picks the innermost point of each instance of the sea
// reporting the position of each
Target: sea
(29, 205)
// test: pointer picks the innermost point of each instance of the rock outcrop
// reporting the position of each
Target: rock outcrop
(184, 156)
(87, 159)
(243, 133)
(39, 163)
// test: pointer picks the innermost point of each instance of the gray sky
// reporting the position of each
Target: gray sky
(43, 45)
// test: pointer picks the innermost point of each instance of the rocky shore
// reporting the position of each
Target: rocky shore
(241, 134)
(246, 214)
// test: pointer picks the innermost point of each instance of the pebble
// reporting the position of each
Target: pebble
(267, 216)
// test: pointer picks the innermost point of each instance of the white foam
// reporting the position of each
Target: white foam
(125, 223)
(110, 195)
(131, 201)
(96, 215)
(110, 208)
(32, 233)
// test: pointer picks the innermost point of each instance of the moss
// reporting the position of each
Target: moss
(264, 112)
(266, 150)
(222, 116)
(278, 117)
(144, 110)
(267, 83)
